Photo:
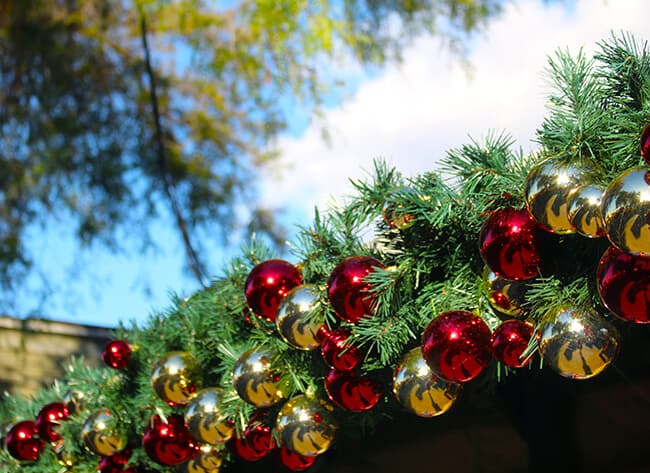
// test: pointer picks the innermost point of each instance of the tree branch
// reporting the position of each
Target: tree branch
(193, 260)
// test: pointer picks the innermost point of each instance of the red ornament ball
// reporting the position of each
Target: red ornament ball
(509, 341)
(256, 443)
(22, 441)
(116, 354)
(645, 144)
(456, 345)
(267, 284)
(293, 461)
(115, 463)
(348, 292)
(510, 244)
(351, 392)
(624, 285)
(338, 353)
(169, 443)
(48, 418)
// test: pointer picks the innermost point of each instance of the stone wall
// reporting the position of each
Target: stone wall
(33, 352)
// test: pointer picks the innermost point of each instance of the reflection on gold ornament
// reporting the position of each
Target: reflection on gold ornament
(547, 189)
(394, 213)
(306, 425)
(584, 211)
(102, 433)
(577, 343)
(204, 418)
(626, 211)
(504, 295)
(297, 323)
(209, 461)
(74, 401)
(255, 379)
(419, 390)
(175, 377)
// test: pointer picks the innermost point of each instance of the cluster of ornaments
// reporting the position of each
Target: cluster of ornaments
(562, 197)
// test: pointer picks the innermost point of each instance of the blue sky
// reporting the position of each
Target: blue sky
(408, 114)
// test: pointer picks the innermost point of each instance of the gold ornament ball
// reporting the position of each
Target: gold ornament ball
(505, 296)
(547, 189)
(208, 461)
(577, 343)
(394, 213)
(584, 211)
(176, 377)
(306, 425)
(297, 322)
(102, 433)
(626, 211)
(204, 418)
(419, 390)
(74, 401)
(255, 379)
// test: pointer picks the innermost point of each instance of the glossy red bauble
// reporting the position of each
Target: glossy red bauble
(115, 463)
(351, 392)
(510, 244)
(645, 144)
(22, 441)
(116, 354)
(267, 284)
(456, 345)
(347, 290)
(624, 285)
(169, 443)
(338, 353)
(509, 340)
(48, 419)
(256, 443)
(293, 461)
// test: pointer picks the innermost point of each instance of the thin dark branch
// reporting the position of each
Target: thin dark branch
(193, 260)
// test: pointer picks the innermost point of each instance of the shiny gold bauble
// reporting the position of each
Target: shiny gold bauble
(209, 461)
(626, 211)
(103, 434)
(176, 377)
(584, 211)
(204, 418)
(256, 380)
(306, 426)
(74, 401)
(505, 296)
(297, 323)
(547, 189)
(394, 213)
(419, 390)
(577, 343)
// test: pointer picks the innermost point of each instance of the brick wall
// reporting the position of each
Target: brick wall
(33, 352)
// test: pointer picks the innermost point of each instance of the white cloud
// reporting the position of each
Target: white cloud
(414, 112)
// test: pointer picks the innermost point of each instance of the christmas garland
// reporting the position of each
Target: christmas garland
(474, 271)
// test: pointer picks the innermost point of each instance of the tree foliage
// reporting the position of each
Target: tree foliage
(112, 112)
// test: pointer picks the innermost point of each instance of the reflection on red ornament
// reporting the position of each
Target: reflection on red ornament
(339, 353)
(351, 392)
(48, 419)
(347, 290)
(116, 354)
(645, 144)
(256, 443)
(509, 341)
(22, 441)
(267, 284)
(293, 461)
(510, 243)
(456, 345)
(624, 285)
(169, 443)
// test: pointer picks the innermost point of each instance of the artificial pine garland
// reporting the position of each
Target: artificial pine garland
(498, 262)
